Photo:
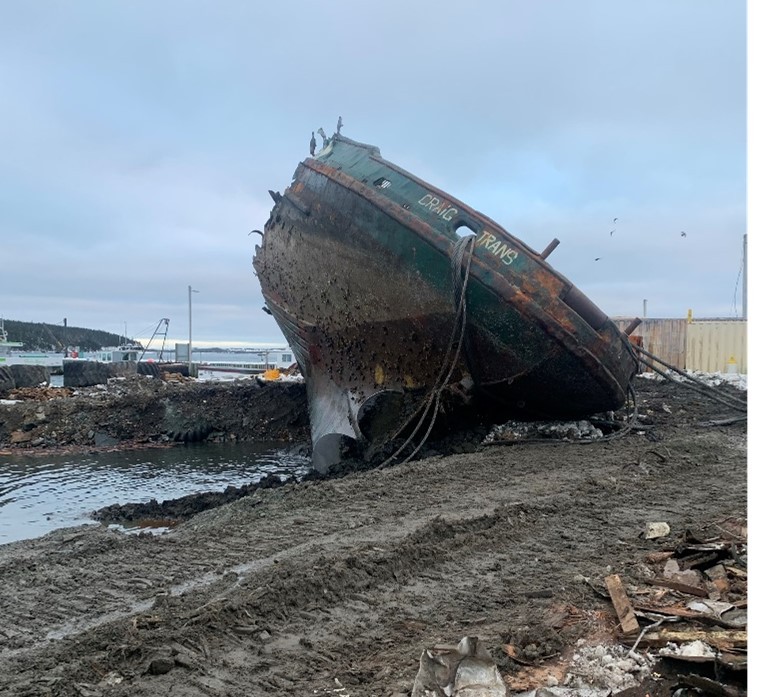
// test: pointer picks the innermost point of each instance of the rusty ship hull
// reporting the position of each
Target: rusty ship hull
(386, 288)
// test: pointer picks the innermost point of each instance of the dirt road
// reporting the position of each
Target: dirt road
(336, 586)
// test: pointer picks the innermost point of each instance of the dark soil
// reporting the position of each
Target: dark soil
(142, 410)
(336, 585)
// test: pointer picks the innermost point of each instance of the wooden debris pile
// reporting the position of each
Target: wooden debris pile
(168, 376)
(689, 605)
(39, 393)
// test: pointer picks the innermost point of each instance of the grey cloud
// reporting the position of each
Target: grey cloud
(142, 138)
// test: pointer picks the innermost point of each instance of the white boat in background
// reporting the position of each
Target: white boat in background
(49, 360)
(12, 353)
(261, 361)
(125, 352)
(5, 345)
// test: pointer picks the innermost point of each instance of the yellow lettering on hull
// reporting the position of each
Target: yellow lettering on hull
(497, 247)
(438, 206)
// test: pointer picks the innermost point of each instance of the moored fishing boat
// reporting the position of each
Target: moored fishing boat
(12, 353)
(390, 291)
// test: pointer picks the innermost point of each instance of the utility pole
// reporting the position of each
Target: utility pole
(744, 278)
(190, 292)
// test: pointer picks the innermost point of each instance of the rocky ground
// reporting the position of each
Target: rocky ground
(336, 585)
(140, 410)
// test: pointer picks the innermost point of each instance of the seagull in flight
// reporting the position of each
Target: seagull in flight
(613, 230)
(597, 259)
(614, 220)
(683, 234)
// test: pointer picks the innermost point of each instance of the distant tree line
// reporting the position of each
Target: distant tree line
(40, 336)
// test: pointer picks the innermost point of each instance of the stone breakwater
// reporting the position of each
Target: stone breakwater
(143, 410)
(13, 376)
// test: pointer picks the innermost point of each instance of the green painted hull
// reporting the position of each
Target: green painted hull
(364, 266)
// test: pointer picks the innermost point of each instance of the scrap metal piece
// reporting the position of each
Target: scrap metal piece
(461, 670)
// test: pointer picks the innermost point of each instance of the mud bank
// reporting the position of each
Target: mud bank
(335, 586)
(141, 410)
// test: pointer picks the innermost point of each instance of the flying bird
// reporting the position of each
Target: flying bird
(683, 234)
(613, 230)
(258, 232)
(597, 259)
(312, 144)
(614, 220)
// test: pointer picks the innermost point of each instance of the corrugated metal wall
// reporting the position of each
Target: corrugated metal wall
(710, 344)
(705, 345)
(665, 338)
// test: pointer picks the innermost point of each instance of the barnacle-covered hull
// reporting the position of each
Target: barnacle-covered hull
(388, 290)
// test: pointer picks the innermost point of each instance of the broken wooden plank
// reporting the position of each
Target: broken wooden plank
(628, 622)
(710, 687)
(734, 661)
(678, 586)
(698, 559)
(656, 557)
(721, 546)
(723, 639)
(708, 618)
(741, 573)
(669, 610)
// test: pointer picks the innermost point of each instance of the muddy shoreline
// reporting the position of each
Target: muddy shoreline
(142, 411)
(335, 586)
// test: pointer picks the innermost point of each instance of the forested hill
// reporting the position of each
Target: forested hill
(55, 337)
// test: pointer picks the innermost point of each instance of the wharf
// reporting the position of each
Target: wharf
(232, 367)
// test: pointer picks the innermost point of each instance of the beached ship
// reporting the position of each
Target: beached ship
(389, 291)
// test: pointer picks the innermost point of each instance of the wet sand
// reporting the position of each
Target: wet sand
(335, 586)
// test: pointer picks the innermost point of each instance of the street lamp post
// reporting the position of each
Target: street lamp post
(190, 292)
(744, 278)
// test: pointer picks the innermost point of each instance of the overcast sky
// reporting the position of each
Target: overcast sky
(139, 140)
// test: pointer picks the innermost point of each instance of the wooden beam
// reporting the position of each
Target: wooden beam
(723, 639)
(678, 586)
(628, 622)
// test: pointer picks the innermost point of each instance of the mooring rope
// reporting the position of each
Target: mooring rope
(460, 281)
(461, 275)
(690, 381)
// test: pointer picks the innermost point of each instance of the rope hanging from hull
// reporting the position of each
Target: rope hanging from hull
(461, 276)
(461, 261)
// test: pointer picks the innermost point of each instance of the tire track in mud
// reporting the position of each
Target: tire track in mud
(481, 548)
(280, 594)
(328, 586)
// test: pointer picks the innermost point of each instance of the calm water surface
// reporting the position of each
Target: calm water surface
(41, 493)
